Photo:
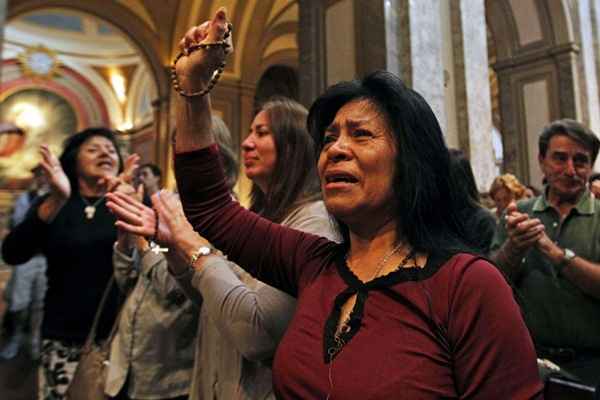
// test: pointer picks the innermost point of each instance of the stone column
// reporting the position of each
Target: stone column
(596, 36)
(472, 86)
(311, 46)
(414, 49)
(589, 77)
(570, 100)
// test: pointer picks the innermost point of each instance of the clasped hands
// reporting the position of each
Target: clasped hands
(525, 232)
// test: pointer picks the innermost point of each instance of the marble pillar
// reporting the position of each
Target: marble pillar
(589, 77)
(596, 36)
(472, 87)
(414, 49)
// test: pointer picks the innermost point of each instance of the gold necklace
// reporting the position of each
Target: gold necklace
(386, 258)
(345, 326)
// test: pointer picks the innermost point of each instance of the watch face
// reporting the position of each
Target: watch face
(569, 254)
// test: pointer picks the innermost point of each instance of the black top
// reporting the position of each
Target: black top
(480, 228)
(79, 254)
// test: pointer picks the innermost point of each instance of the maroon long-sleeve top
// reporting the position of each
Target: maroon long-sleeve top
(448, 330)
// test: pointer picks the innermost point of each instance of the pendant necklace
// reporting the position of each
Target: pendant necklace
(90, 208)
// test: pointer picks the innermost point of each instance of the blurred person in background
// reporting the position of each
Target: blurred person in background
(26, 288)
(505, 189)
(480, 223)
(149, 176)
(594, 184)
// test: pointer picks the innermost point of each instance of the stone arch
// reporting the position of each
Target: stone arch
(277, 80)
(135, 29)
(142, 36)
(536, 74)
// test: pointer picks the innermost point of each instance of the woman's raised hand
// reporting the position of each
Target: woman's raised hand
(195, 68)
(57, 179)
(133, 216)
(123, 182)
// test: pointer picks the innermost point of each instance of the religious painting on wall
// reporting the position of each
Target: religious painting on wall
(42, 117)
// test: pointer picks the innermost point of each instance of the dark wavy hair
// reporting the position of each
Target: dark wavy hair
(462, 175)
(68, 158)
(429, 207)
(294, 180)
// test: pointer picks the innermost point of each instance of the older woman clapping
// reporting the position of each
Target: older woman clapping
(72, 227)
(400, 308)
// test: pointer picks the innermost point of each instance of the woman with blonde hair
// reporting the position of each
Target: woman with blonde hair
(504, 189)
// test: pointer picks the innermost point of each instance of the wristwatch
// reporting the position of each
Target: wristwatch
(203, 250)
(567, 258)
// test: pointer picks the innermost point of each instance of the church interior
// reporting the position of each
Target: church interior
(494, 71)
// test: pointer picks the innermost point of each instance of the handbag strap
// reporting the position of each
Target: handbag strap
(92, 334)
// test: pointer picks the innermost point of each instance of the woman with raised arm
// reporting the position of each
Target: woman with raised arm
(400, 308)
(72, 227)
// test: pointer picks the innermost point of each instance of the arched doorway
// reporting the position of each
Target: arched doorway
(533, 59)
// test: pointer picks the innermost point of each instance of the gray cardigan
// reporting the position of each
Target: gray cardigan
(242, 320)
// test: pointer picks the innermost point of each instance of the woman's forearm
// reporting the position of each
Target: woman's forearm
(193, 122)
(251, 315)
(194, 74)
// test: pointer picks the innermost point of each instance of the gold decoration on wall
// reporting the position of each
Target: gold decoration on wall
(39, 62)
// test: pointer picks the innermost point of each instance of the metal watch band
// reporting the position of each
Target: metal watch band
(203, 250)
